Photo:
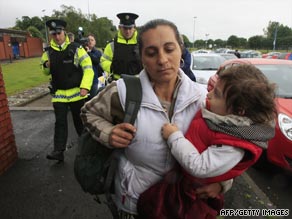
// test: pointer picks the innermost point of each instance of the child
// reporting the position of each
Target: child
(224, 139)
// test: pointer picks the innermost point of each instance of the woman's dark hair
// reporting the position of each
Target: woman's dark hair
(247, 88)
(152, 25)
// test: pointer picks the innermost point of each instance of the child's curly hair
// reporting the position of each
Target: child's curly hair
(247, 90)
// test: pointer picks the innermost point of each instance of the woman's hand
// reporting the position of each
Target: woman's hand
(122, 135)
(209, 191)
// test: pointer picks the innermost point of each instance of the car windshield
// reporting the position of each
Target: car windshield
(207, 62)
(281, 75)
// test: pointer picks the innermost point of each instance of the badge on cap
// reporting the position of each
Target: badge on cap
(127, 19)
(53, 24)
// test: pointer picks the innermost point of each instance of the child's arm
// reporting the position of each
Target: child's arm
(213, 161)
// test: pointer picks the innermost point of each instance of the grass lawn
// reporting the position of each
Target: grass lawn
(22, 74)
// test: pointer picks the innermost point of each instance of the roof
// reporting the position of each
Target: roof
(259, 61)
(11, 31)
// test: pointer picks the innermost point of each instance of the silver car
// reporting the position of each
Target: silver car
(204, 65)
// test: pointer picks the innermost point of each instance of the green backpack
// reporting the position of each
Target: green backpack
(95, 164)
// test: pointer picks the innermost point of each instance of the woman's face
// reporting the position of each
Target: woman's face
(161, 54)
(91, 42)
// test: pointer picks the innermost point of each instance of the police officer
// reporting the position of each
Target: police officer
(71, 77)
(121, 56)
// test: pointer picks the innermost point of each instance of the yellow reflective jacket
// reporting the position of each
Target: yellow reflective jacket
(82, 59)
(107, 57)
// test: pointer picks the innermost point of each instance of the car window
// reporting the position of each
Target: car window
(207, 62)
(281, 75)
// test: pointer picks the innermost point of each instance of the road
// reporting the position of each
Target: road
(276, 184)
(255, 190)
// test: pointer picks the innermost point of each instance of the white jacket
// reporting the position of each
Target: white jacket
(148, 157)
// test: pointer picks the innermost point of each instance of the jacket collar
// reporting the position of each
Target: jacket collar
(183, 98)
(132, 40)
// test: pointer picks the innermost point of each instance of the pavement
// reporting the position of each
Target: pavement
(35, 187)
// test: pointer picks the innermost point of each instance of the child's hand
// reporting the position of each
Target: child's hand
(167, 129)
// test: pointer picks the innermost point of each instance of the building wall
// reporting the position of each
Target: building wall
(35, 46)
(7, 47)
(2, 52)
(8, 151)
(31, 47)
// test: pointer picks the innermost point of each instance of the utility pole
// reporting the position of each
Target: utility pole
(275, 37)
(206, 40)
(46, 29)
(194, 32)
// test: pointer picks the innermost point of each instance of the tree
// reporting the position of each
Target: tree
(242, 42)
(256, 42)
(200, 44)
(102, 28)
(37, 23)
(74, 18)
(34, 32)
(233, 41)
(220, 43)
(24, 23)
(283, 33)
(186, 42)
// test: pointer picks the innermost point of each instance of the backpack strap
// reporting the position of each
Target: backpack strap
(132, 106)
(133, 97)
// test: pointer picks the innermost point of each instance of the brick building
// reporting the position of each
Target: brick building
(18, 43)
(8, 151)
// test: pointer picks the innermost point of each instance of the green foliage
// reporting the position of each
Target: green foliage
(256, 42)
(233, 41)
(22, 75)
(220, 43)
(34, 31)
(242, 42)
(200, 44)
(104, 30)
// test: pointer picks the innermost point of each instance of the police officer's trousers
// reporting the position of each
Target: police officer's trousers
(61, 123)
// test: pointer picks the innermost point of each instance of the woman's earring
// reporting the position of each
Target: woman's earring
(182, 63)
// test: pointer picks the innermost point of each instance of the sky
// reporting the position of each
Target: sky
(197, 19)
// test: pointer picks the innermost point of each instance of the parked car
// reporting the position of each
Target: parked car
(204, 65)
(285, 55)
(250, 54)
(202, 51)
(279, 150)
(224, 50)
(271, 55)
(228, 55)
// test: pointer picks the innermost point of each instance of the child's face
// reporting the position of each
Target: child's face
(215, 101)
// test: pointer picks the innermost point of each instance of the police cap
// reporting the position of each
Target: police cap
(56, 24)
(127, 19)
